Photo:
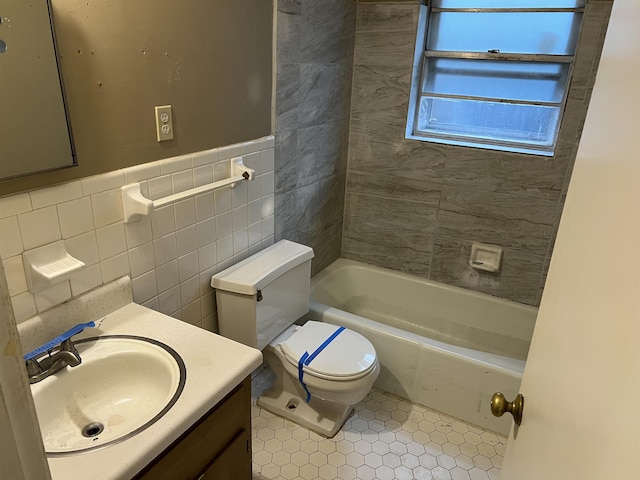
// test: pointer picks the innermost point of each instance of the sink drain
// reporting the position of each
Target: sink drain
(92, 430)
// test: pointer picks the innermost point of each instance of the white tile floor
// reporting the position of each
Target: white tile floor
(387, 438)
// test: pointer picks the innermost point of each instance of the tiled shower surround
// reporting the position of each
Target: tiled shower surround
(411, 206)
(418, 206)
(314, 60)
(170, 255)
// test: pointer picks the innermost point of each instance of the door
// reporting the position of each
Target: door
(582, 381)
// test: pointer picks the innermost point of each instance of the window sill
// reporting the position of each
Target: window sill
(485, 146)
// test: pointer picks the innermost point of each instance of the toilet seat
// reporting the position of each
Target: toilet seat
(348, 356)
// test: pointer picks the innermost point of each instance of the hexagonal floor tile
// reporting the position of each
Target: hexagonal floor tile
(386, 438)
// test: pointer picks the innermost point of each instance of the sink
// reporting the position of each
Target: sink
(123, 385)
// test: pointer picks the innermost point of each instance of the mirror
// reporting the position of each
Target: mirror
(33, 122)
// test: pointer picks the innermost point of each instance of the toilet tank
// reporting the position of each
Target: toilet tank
(262, 295)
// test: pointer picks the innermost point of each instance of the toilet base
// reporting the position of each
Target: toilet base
(286, 398)
(325, 418)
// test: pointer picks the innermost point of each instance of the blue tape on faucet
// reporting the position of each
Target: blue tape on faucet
(306, 359)
(58, 340)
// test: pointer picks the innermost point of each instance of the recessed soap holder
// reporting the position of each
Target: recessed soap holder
(486, 257)
(48, 265)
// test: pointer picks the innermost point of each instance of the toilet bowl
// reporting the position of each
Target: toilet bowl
(337, 378)
(321, 371)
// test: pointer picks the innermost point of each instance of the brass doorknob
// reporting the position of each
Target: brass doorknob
(500, 405)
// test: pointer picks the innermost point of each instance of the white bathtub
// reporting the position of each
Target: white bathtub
(440, 346)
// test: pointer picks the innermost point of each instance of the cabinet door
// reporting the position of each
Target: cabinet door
(207, 441)
(232, 464)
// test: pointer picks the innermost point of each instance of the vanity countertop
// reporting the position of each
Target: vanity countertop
(215, 365)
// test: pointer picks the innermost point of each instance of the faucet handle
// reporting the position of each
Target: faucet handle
(68, 346)
(71, 353)
(33, 367)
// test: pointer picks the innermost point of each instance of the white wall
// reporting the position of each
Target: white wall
(581, 382)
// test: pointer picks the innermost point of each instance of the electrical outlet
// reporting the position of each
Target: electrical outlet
(164, 123)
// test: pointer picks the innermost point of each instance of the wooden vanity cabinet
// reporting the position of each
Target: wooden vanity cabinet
(218, 446)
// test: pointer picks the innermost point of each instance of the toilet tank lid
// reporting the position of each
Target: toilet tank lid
(256, 272)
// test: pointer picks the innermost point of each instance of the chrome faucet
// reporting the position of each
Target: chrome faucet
(66, 355)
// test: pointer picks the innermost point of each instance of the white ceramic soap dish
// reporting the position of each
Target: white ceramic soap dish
(486, 257)
(48, 265)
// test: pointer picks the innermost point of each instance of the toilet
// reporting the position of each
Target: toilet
(321, 370)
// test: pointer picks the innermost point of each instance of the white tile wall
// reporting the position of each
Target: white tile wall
(114, 267)
(39, 227)
(170, 255)
(10, 240)
(76, 217)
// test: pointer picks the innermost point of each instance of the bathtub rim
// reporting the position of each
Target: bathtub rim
(509, 366)
(346, 262)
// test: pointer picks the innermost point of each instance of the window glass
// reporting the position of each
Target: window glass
(531, 81)
(507, 3)
(492, 121)
(549, 33)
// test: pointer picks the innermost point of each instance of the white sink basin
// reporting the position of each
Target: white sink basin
(123, 385)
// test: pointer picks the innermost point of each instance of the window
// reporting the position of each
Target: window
(493, 73)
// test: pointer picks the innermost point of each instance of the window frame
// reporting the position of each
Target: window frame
(419, 75)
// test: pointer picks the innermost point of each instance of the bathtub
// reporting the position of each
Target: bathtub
(440, 346)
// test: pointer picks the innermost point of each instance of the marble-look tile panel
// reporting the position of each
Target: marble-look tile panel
(289, 21)
(606, 16)
(399, 247)
(292, 7)
(510, 221)
(322, 12)
(328, 30)
(305, 209)
(327, 245)
(518, 279)
(380, 88)
(523, 175)
(552, 244)
(386, 34)
(543, 280)
(393, 211)
(325, 93)
(394, 187)
(377, 145)
(322, 151)
(569, 169)
(566, 150)
(310, 213)
(588, 44)
(387, 17)
(287, 96)
(286, 160)
(573, 118)
(388, 124)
